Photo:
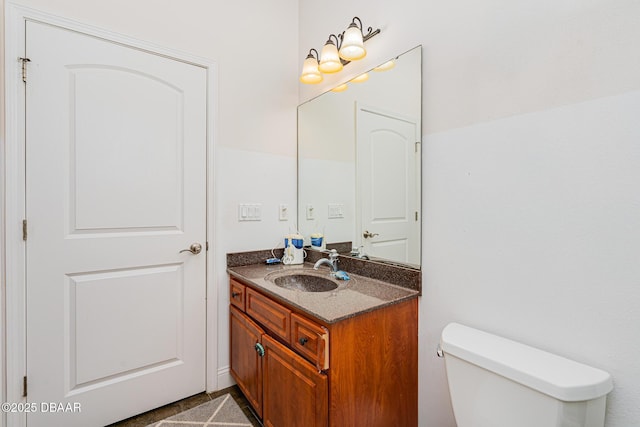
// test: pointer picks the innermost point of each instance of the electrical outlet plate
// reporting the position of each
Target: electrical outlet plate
(310, 212)
(283, 212)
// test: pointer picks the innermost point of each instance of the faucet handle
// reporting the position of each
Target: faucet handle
(333, 254)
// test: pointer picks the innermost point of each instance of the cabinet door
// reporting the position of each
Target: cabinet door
(295, 393)
(246, 352)
(236, 291)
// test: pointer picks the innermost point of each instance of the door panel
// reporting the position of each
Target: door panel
(105, 332)
(115, 188)
(137, 147)
(388, 185)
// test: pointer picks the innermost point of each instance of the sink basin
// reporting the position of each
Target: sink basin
(305, 283)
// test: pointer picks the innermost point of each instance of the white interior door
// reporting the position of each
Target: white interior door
(387, 163)
(115, 188)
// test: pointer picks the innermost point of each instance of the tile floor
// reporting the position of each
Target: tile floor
(172, 409)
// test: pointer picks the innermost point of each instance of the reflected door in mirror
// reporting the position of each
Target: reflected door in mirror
(388, 181)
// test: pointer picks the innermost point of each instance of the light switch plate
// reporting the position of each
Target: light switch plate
(336, 210)
(249, 212)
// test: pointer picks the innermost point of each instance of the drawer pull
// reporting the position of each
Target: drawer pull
(234, 294)
(303, 340)
(259, 349)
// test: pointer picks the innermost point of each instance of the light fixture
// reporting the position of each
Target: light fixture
(353, 42)
(310, 73)
(329, 58)
(337, 52)
(361, 78)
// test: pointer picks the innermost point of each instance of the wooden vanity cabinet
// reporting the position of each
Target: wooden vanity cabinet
(237, 293)
(269, 313)
(246, 363)
(294, 392)
(360, 371)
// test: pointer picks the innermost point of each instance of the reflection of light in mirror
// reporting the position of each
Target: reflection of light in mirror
(386, 66)
(340, 88)
(361, 78)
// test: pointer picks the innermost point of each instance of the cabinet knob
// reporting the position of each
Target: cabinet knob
(303, 340)
(234, 294)
(259, 349)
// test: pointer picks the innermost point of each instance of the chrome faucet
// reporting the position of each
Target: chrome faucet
(359, 252)
(332, 261)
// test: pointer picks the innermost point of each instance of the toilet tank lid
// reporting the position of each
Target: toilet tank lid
(548, 373)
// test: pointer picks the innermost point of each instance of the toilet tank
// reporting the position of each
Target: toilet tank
(496, 382)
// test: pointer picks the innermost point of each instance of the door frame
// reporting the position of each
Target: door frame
(12, 302)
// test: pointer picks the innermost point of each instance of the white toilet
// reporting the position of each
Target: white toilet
(495, 382)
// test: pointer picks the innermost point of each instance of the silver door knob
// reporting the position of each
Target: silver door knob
(366, 234)
(195, 249)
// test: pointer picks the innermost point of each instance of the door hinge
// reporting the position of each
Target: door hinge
(24, 229)
(24, 386)
(417, 144)
(206, 245)
(24, 68)
(416, 215)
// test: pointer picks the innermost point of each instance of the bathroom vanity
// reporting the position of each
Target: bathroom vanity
(343, 357)
(342, 354)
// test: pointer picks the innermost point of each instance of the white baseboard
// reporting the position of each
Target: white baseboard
(224, 379)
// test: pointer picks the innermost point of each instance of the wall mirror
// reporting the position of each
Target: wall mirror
(359, 167)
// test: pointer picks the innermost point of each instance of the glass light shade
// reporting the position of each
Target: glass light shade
(386, 66)
(340, 88)
(310, 73)
(352, 44)
(329, 59)
(361, 78)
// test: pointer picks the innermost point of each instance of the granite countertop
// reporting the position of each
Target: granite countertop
(352, 297)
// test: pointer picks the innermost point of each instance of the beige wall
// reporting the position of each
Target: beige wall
(531, 168)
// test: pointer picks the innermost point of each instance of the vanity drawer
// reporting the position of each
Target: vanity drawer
(270, 314)
(310, 340)
(236, 294)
